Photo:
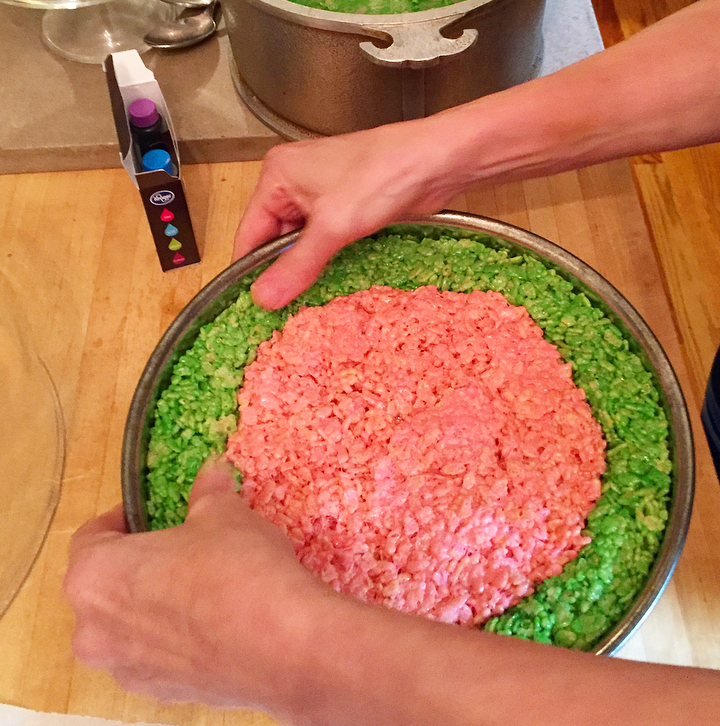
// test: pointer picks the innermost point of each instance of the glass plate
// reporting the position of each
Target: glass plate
(32, 448)
(86, 31)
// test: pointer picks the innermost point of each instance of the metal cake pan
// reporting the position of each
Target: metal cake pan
(223, 290)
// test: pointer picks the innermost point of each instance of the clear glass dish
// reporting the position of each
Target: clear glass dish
(88, 30)
(32, 448)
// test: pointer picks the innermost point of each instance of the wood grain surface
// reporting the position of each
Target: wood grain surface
(679, 193)
(77, 247)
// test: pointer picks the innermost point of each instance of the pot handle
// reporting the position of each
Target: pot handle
(418, 46)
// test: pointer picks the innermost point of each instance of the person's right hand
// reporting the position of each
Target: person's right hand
(340, 189)
(210, 610)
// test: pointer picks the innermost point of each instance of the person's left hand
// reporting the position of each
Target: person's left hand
(207, 611)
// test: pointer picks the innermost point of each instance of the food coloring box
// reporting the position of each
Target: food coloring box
(161, 189)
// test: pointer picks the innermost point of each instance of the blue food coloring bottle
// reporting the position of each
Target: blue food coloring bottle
(157, 160)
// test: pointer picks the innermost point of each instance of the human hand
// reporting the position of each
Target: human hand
(342, 188)
(218, 610)
(206, 611)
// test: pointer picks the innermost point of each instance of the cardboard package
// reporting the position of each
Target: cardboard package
(162, 192)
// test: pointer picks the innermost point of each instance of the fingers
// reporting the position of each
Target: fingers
(108, 525)
(297, 268)
(216, 476)
(81, 577)
(257, 225)
(272, 210)
(168, 689)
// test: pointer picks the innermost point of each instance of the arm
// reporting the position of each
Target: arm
(658, 91)
(218, 610)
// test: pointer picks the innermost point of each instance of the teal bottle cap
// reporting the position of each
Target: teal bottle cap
(156, 160)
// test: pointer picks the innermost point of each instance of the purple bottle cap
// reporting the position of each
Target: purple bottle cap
(142, 113)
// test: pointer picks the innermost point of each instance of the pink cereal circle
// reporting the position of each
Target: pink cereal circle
(425, 450)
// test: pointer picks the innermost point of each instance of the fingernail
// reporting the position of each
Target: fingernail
(267, 294)
(216, 462)
(216, 476)
(208, 463)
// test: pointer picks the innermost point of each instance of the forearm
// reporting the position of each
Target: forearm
(658, 91)
(364, 665)
(218, 610)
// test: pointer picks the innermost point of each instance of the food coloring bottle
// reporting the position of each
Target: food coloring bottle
(156, 160)
(147, 125)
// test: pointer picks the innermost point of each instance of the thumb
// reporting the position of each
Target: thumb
(215, 476)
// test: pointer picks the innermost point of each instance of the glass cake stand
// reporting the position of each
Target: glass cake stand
(32, 448)
(88, 30)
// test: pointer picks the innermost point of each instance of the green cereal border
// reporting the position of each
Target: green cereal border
(376, 7)
(198, 409)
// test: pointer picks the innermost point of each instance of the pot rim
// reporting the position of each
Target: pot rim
(361, 22)
(590, 281)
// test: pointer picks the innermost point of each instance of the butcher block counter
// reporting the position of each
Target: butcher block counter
(77, 246)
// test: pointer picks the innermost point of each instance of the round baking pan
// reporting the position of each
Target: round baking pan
(224, 289)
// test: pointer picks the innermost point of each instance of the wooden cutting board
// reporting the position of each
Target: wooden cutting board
(77, 246)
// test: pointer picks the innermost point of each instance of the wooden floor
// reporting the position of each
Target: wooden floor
(680, 194)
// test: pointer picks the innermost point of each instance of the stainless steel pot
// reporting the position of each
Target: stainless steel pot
(223, 290)
(308, 72)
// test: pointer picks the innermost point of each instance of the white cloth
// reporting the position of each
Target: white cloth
(14, 716)
(570, 32)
